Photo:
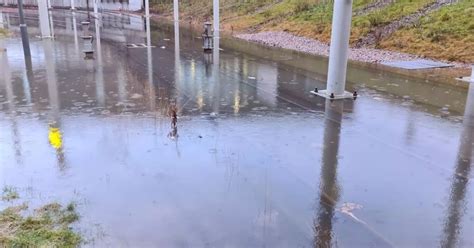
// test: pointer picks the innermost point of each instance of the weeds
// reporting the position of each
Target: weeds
(9, 193)
(48, 226)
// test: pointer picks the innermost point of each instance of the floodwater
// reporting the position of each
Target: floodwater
(255, 160)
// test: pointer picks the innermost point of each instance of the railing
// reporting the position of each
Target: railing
(130, 5)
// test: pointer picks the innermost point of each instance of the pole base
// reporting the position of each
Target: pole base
(44, 37)
(466, 79)
(327, 95)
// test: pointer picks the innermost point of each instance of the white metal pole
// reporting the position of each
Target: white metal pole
(51, 23)
(216, 17)
(72, 5)
(176, 10)
(147, 10)
(339, 49)
(468, 123)
(96, 9)
(472, 74)
(44, 19)
(52, 78)
(2, 25)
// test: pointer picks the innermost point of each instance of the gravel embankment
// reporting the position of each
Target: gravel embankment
(289, 41)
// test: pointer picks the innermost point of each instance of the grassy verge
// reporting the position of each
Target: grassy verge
(47, 226)
(445, 34)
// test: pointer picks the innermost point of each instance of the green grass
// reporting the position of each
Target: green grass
(9, 193)
(393, 11)
(48, 226)
(445, 34)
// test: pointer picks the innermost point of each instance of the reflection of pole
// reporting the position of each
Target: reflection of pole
(100, 71)
(150, 61)
(24, 32)
(175, 10)
(216, 17)
(74, 28)
(461, 177)
(122, 83)
(215, 74)
(51, 23)
(54, 132)
(5, 71)
(27, 79)
(51, 78)
(2, 22)
(329, 189)
(177, 60)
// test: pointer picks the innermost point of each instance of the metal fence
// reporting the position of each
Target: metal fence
(131, 5)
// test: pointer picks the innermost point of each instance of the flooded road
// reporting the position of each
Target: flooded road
(255, 160)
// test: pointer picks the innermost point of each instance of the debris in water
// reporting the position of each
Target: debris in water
(136, 96)
(348, 207)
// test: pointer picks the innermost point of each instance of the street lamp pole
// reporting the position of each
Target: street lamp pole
(24, 32)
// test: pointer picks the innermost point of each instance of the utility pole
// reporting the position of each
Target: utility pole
(147, 11)
(24, 32)
(175, 10)
(338, 52)
(44, 19)
(216, 17)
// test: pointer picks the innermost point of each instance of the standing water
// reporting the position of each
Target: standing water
(255, 160)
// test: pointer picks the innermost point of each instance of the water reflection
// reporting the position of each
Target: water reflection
(7, 79)
(74, 28)
(216, 96)
(151, 86)
(28, 77)
(265, 124)
(2, 21)
(100, 90)
(329, 187)
(177, 71)
(460, 180)
(55, 135)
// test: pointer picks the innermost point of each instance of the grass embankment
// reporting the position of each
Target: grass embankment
(48, 226)
(446, 33)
